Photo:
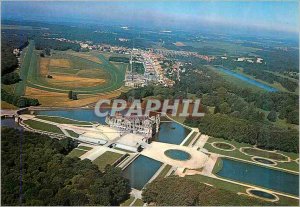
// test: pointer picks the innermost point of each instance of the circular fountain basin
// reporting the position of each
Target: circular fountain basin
(177, 154)
(263, 195)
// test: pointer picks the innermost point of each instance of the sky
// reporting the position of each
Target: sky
(268, 15)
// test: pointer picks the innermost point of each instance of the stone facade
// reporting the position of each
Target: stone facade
(147, 126)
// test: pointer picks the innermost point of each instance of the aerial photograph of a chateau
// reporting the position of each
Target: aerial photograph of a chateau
(150, 103)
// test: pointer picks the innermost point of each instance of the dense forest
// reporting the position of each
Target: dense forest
(176, 191)
(238, 113)
(281, 60)
(19, 101)
(9, 64)
(44, 44)
(287, 83)
(119, 59)
(49, 177)
(10, 42)
(254, 133)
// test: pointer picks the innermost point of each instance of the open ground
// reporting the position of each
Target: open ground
(49, 79)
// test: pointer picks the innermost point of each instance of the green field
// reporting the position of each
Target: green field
(274, 85)
(95, 67)
(128, 201)
(84, 147)
(164, 172)
(62, 120)
(138, 202)
(43, 126)
(25, 66)
(190, 139)
(262, 153)
(76, 153)
(283, 201)
(229, 47)
(114, 76)
(235, 80)
(242, 83)
(107, 158)
(72, 133)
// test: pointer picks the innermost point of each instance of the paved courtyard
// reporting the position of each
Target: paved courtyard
(156, 150)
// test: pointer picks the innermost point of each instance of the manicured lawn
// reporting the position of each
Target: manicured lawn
(234, 153)
(190, 139)
(24, 70)
(223, 146)
(138, 202)
(234, 80)
(107, 158)
(72, 133)
(80, 67)
(217, 183)
(284, 201)
(43, 126)
(128, 201)
(178, 118)
(62, 120)
(262, 153)
(289, 165)
(164, 172)
(5, 105)
(76, 153)
(123, 150)
(84, 147)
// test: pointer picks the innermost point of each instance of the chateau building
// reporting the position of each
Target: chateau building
(144, 125)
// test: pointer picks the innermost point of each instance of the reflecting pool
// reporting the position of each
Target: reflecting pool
(260, 176)
(177, 154)
(140, 171)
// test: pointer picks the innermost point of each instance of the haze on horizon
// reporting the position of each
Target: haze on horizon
(247, 16)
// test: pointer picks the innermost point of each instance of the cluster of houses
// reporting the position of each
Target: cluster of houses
(151, 60)
(153, 72)
(249, 60)
(184, 53)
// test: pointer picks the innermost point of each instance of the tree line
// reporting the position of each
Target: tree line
(235, 109)
(272, 78)
(44, 44)
(260, 71)
(49, 177)
(176, 191)
(19, 101)
(265, 136)
(119, 59)
(9, 61)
